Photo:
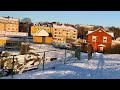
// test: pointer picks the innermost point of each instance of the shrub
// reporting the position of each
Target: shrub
(24, 49)
(113, 50)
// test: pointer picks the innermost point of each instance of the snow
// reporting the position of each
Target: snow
(40, 48)
(100, 67)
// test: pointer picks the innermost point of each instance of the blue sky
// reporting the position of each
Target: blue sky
(104, 18)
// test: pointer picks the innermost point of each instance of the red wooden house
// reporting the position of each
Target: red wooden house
(100, 39)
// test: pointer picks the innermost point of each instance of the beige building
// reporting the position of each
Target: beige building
(9, 24)
(61, 33)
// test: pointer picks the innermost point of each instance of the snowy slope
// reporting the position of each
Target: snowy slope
(100, 67)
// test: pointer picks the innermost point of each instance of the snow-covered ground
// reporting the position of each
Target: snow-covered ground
(40, 48)
(100, 67)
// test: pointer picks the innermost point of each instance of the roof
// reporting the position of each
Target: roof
(63, 27)
(8, 33)
(41, 32)
(15, 19)
(110, 33)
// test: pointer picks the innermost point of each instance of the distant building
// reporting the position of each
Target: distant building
(88, 27)
(63, 33)
(12, 39)
(59, 33)
(36, 27)
(42, 36)
(9, 24)
(100, 39)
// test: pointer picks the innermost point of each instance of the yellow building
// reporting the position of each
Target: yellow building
(42, 36)
(12, 39)
(36, 28)
(61, 33)
(9, 24)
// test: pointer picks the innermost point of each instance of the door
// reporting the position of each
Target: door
(43, 39)
(101, 48)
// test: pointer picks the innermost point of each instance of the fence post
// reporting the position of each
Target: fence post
(0, 61)
(89, 51)
(43, 60)
(65, 56)
(13, 65)
(78, 53)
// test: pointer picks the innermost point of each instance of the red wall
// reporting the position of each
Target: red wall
(99, 39)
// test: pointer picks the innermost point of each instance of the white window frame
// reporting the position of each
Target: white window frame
(104, 39)
(94, 38)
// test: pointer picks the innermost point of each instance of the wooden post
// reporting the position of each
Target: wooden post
(43, 60)
(65, 56)
(0, 61)
(13, 65)
(89, 51)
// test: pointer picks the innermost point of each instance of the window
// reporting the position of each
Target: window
(8, 28)
(55, 32)
(12, 28)
(104, 39)
(93, 38)
(73, 37)
(55, 36)
(74, 34)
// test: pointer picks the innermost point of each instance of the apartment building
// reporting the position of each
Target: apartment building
(9, 24)
(62, 33)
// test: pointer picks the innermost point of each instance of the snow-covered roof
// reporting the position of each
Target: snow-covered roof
(15, 19)
(63, 27)
(7, 33)
(41, 32)
(110, 33)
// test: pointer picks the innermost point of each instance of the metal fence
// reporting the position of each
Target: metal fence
(64, 56)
